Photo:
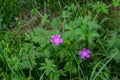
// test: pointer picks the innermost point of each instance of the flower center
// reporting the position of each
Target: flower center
(84, 53)
(56, 40)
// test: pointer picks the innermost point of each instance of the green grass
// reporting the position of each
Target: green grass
(26, 27)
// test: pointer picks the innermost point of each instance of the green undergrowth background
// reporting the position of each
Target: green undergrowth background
(26, 27)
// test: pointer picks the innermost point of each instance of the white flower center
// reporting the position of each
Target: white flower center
(56, 40)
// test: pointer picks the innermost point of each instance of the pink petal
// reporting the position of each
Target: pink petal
(52, 36)
(82, 57)
(87, 56)
(88, 51)
(78, 6)
(57, 35)
(80, 52)
(84, 49)
(52, 41)
(61, 40)
(56, 43)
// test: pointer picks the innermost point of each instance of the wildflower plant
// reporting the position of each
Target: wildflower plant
(56, 39)
(60, 46)
(84, 53)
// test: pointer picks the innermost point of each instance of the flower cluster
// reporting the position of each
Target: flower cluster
(56, 39)
(84, 53)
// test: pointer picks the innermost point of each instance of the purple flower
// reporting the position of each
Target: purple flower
(78, 6)
(56, 39)
(84, 53)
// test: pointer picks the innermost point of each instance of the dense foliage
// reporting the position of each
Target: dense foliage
(59, 40)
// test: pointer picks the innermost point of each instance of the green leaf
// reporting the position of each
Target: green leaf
(44, 19)
(28, 56)
(91, 37)
(39, 35)
(34, 11)
(100, 7)
(117, 52)
(116, 3)
(66, 14)
(14, 62)
(55, 23)
(114, 40)
(48, 66)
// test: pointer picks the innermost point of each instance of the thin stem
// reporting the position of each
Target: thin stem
(42, 76)
(103, 66)
(40, 14)
(21, 72)
(6, 76)
(96, 16)
(59, 4)
(93, 72)
(32, 64)
(77, 64)
(82, 73)
(30, 74)
(63, 29)
(110, 5)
